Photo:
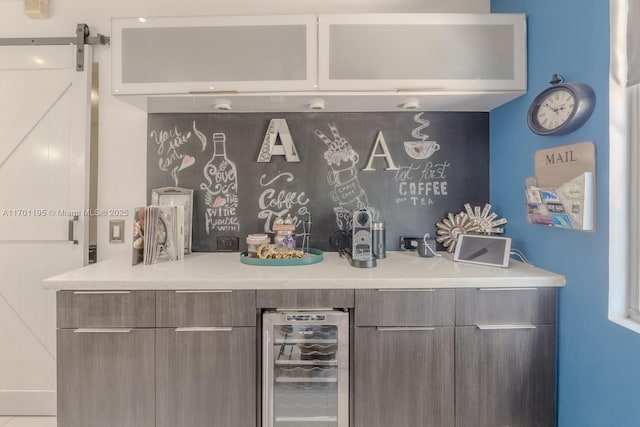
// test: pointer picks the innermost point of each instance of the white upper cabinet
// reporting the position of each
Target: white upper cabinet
(422, 52)
(350, 62)
(213, 54)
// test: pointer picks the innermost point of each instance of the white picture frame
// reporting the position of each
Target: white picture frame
(176, 196)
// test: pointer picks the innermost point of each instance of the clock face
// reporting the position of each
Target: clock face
(561, 109)
(555, 109)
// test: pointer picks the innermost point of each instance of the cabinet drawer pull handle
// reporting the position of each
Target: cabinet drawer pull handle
(404, 328)
(103, 330)
(71, 237)
(204, 291)
(504, 327)
(100, 292)
(266, 386)
(420, 89)
(205, 329)
(407, 290)
(506, 289)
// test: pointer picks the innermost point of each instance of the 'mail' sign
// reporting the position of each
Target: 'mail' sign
(554, 166)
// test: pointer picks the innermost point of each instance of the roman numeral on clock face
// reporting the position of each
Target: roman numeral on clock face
(555, 109)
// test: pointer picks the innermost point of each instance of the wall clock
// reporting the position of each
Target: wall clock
(561, 108)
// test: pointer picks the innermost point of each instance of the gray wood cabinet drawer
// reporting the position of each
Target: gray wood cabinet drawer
(536, 306)
(405, 307)
(191, 308)
(206, 377)
(505, 376)
(106, 377)
(105, 309)
(404, 377)
(306, 298)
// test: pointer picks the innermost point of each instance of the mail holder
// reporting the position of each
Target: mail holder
(562, 194)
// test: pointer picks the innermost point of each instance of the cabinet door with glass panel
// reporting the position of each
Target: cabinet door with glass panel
(306, 369)
(214, 53)
(422, 52)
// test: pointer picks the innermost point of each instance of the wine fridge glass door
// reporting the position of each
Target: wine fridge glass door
(306, 373)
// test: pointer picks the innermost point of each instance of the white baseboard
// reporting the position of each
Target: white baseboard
(28, 402)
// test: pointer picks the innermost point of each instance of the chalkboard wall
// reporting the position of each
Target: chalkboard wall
(419, 167)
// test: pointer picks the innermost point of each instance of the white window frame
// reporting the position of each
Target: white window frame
(633, 104)
(633, 291)
(624, 180)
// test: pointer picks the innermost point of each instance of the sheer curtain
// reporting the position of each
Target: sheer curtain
(624, 164)
(633, 141)
(633, 42)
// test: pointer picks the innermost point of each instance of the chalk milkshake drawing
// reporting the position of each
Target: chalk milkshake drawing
(421, 148)
(221, 189)
(343, 176)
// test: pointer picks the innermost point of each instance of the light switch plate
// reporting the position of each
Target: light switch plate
(116, 231)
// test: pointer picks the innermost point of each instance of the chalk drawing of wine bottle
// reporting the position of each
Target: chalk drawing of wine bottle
(221, 189)
(343, 176)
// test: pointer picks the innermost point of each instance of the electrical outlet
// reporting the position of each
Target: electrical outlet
(228, 243)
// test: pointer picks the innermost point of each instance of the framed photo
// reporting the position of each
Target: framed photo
(176, 196)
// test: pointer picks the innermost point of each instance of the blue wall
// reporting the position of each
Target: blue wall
(598, 363)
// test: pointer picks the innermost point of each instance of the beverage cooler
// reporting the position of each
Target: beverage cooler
(305, 374)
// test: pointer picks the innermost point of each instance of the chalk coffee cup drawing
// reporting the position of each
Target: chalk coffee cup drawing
(421, 149)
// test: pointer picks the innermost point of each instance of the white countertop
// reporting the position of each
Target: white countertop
(225, 271)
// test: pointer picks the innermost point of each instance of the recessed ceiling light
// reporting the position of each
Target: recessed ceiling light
(317, 104)
(410, 104)
(142, 19)
(222, 104)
